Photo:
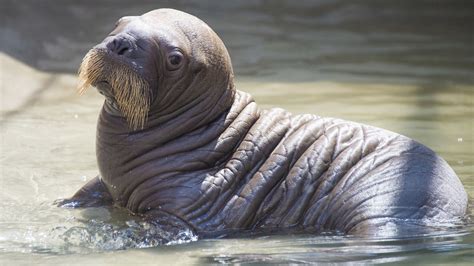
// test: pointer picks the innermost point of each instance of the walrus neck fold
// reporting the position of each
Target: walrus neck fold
(120, 154)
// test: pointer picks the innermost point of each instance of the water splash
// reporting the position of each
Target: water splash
(101, 236)
(92, 232)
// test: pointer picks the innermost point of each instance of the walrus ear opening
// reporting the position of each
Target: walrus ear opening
(197, 70)
(197, 67)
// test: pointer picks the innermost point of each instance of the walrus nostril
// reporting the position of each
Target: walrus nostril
(123, 51)
(119, 46)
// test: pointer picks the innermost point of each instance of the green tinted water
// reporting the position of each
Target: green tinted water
(404, 67)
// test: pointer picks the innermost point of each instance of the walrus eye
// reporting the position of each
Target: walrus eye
(175, 59)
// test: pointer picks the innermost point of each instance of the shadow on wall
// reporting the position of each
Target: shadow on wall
(387, 41)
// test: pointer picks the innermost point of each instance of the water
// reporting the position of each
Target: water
(405, 65)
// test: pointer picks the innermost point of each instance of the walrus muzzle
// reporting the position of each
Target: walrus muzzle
(130, 91)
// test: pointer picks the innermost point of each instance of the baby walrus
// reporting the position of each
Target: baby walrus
(178, 144)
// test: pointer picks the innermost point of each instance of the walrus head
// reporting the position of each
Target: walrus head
(158, 64)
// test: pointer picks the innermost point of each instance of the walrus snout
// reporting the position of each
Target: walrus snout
(123, 86)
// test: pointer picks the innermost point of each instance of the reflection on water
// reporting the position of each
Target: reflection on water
(388, 41)
(401, 65)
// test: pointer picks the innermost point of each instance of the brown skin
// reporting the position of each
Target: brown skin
(208, 159)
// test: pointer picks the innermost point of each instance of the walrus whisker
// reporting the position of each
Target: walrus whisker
(130, 90)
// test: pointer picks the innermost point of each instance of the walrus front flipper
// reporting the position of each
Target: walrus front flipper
(92, 194)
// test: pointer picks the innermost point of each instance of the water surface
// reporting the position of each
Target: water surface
(406, 66)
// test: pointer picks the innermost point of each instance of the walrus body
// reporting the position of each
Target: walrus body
(203, 153)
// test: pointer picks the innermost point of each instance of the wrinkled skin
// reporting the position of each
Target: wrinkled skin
(211, 160)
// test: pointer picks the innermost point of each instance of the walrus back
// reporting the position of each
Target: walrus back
(330, 174)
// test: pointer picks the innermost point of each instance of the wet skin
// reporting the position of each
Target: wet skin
(210, 160)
